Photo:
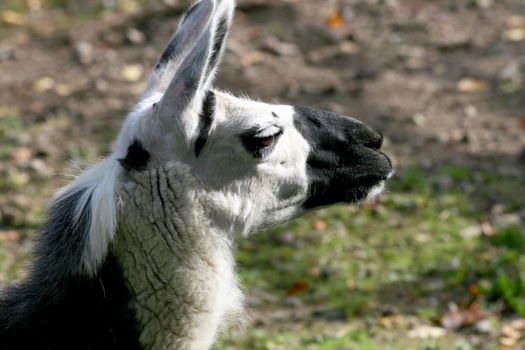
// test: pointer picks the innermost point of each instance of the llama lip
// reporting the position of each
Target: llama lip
(342, 185)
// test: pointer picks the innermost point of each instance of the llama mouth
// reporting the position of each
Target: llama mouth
(342, 187)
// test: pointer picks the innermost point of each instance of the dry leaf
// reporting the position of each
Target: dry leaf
(507, 331)
(297, 287)
(43, 84)
(64, 89)
(487, 229)
(132, 72)
(508, 342)
(470, 85)
(34, 5)
(9, 235)
(320, 225)
(252, 58)
(19, 179)
(518, 324)
(522, 122)
(473, 289)
(463, 318)
(515, 28)
(335, 20)
(22, 154)
(515, 21)
(427, 332)
(504, 347)
(514, 34)
(13, 18)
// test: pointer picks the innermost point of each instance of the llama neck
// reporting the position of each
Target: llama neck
(180, 270)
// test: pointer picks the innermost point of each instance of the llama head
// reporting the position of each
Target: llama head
(256, 164)
(259, 163)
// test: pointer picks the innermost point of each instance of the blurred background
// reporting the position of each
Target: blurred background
(436, 263)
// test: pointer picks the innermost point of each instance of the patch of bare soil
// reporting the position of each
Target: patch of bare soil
(443, 80)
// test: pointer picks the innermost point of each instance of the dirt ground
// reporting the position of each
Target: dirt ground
(443, 80)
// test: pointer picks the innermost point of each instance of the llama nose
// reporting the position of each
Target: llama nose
(369, 137)
(375, 140)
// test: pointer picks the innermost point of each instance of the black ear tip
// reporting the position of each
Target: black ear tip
(191, 11)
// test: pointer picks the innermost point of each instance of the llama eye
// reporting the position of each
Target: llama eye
(265, 142)
(260, 145)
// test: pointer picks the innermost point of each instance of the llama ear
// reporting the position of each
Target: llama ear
(190, 28)
(183, 99)
(222, 20)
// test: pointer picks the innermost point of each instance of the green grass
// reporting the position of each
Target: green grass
(407, 253)
(362, 277)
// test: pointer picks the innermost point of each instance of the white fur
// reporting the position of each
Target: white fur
(100, 183)
(181, 269)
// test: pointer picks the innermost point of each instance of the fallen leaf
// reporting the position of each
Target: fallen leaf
(335, 20)
(297, 287)
(252, 58)
(514, 34)
(504, 347)
(9, 235)
(22, 154)
(320, 225)
(508, 342)
(485, 4)
(522, 122)
(515, 28)
(19, 179)
(454, 320)
(64, 89)
(43, 84)
(470, 85)
(427, 332)
(393, 321)
(518, 324)
(34, 5)
(473, 289)
(509, 332)
(419, 119)
(132, 72)
(487, 229)
(13, 18)
(515, 21)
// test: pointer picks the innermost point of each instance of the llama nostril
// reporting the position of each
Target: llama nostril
(375, 141)
(380, 140)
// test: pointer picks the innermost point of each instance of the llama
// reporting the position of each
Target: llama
(138, 251)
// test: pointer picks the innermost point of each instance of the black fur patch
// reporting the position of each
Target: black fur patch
(169, 52)
(344, 162)
(137, 157)
(57, 307)
(205, 121)
(218, 41)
